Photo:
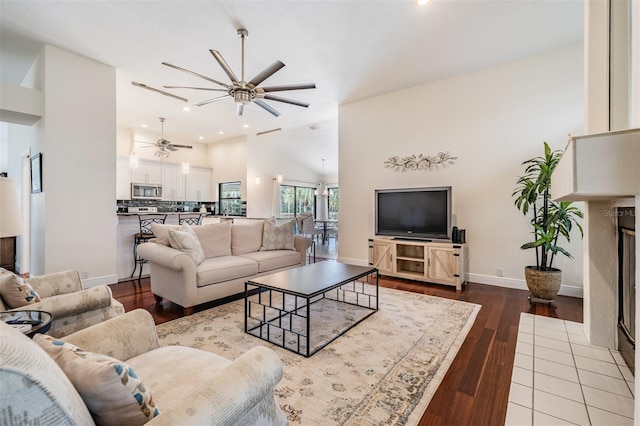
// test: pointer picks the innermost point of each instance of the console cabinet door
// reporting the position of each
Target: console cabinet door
(442, 264)
(383, 256)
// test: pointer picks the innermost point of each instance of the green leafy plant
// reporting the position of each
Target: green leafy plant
(550, 220)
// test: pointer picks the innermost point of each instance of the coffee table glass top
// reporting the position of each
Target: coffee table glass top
(312, 279)
(28, 322)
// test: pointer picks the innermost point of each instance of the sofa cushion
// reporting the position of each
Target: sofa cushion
(246, 237)
(110, 389)
(224, 268)
(161, 232)
(15, 292)
(215, 239)
(277, 237)
(274, 259)
(187, 242)
(160, 368)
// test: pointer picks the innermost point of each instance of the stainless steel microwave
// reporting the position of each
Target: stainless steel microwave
(146, 191)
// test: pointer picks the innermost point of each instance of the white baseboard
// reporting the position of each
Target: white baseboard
(96, 281)
(565, 290)
(349, 261)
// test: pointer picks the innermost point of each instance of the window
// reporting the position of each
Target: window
(295, 200)
(334, 196)
(229, 198)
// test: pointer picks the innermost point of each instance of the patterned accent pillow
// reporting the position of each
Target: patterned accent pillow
(109, 388)
(187, 242)
(15, 292)
(276, 237)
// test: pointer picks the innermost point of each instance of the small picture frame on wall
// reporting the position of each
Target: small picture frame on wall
(36, 173)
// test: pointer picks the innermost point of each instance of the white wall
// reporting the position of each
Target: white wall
(73, 221)
(492, 120)
(228, 159)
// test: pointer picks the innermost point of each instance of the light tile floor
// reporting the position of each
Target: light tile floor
(559, 379)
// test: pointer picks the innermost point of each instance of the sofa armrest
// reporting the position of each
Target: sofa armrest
(64, 282)
(66, 305)
(246, 383)
(122, 337)
(301, 244)
(165, 256)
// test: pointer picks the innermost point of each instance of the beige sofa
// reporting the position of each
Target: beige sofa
(62, 295)
(233, 253)
(45, 382)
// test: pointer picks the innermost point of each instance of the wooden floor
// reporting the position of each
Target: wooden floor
(476, 387)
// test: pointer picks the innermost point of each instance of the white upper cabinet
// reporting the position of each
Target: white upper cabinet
(123, 179)
(173, 183)
(199, 184)
(147, 172)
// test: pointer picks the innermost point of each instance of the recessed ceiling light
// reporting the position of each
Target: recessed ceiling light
(201, 137)
(421, 2)
(221, 132)
(246, 126)
(144, 125)
(186, 108)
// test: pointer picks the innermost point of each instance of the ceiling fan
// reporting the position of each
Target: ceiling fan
(246, 92)
(164, 146)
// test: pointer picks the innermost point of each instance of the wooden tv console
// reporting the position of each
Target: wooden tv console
(430, 261)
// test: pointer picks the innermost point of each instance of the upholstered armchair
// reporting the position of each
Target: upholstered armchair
(52, 381)
(72, 306)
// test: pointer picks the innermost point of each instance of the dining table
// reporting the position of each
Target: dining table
(326, 224)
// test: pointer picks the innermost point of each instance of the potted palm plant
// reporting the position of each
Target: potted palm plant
(550, 221)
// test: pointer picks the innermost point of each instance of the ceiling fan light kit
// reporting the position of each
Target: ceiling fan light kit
(241, 91)
(164, 146)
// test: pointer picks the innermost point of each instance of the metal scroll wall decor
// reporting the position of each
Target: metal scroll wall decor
(420, 162)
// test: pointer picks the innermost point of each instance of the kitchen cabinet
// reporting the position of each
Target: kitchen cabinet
(147, 172)
(123, 179)
(199, 184)
(173, 183)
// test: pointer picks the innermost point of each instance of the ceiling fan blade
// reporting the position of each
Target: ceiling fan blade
(195, 88)
(266, 107)
(162, 92)
(265, 74)
(239, 108)
(182, 146)
(212, 100)
(286, 101)
(224, 65)
(302, 86)
(171, 148)
(196, 74)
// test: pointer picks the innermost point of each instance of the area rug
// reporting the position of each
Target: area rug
(384, 371)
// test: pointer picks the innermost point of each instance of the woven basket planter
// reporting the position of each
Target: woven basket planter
(543, 284)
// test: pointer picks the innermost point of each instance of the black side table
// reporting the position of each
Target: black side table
(29, 322)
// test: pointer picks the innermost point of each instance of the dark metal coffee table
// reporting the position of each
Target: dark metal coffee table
(304, 309)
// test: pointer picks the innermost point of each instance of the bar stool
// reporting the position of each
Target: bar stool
(190, 218)
(143, 236)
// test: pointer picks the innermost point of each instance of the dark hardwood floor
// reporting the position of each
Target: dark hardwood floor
(476, 387)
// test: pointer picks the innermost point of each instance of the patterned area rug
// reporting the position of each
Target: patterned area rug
(384, 371)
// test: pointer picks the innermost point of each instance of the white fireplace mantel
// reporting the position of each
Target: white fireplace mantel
(599, 167)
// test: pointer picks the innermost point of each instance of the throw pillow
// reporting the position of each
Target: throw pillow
(15, 292)
(161, 232)
(277, 237)
(109, 388)
(215, 239)
(246, 237)
(187, 242)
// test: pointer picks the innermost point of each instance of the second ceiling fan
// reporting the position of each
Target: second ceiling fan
(245, 92)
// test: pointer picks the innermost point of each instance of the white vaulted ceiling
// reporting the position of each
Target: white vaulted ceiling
(350, 49)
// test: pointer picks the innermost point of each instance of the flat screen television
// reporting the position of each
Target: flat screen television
(416, 213)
